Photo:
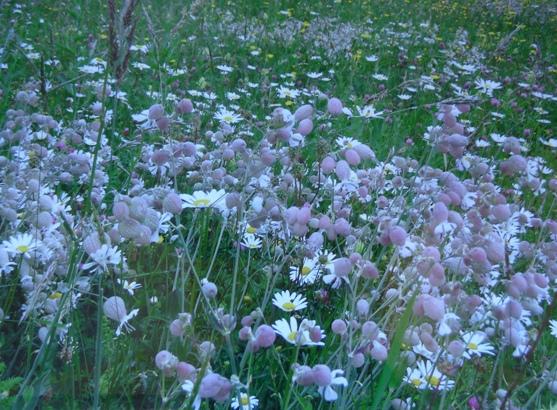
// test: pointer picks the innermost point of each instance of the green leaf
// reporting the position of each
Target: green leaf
(392, 364)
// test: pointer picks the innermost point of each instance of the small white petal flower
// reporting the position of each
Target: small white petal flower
(130, 287)
(115, 308)
(553, 327)
(337, 379)
(103, 257)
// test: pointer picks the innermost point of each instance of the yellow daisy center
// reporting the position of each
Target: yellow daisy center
(416, 382)
(292, 336)
(472, 346)
(55, 295)
(244, 399)
(201, 202)
(434, 381)
(306, 270)
(288, 306)
(22, 248)
(251, 229)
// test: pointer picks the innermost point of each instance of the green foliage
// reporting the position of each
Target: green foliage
(127, 379)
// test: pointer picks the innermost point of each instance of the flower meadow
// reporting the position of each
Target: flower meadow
(270, 205)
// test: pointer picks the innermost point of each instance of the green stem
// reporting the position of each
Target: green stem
(97, 146)
(290, 383)
(98, 349)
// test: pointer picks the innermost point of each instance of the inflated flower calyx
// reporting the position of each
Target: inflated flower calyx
(339, 327)
(322, 375)
(328, 165)
(304, 375)
(397, 235)
(362, 306)
(156, 112)
(429, 306)
(184, 106)
(334, 106)
(185, 371)
(216, 387)
(379, 352)
(172, 203)
(304, 112)
(209, 289)
(166, 362)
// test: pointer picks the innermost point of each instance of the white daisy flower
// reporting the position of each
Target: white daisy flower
(225, 69)
(143, 120)
(404, 97)
(289, 302)
(424, 352)
(552, 142)
(372, 58)
(244, 402)
(347, 142)
(314, 75)
(380, 77)
(141, 48)
(306, 274)
(369, 112)
(96, 65)
(21, 244)
(294, 334)
(227, 116)
(498, 138)
(475, 345)
(201, 199)
(232, 96)
(141, 66)
(251, 241)
(427, 376)
(334, 279)
(325, 259)
(284, 92)
(487, 86)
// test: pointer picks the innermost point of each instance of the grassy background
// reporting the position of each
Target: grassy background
(74, 32)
